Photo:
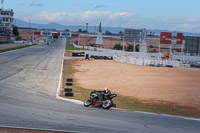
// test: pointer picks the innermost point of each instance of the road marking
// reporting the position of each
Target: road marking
(38, 129)
(70, 100)
(166, 115)
(175, 116)
(59, 86)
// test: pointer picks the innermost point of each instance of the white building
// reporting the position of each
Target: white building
(6, 21)
(6, 25)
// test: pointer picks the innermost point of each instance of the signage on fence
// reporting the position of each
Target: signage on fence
(74, 35)
(165, 38)
(55, 34)
(133, 35)
(36, 33)
(45, 33)
(179, 39)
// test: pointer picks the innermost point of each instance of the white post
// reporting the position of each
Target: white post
(123, 44)
(199, 47)
(134, 46)
(170, 49)
(159, 47)
(78, 40)
(33, 37)
(182, 48)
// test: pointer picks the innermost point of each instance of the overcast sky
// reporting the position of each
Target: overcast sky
(180, 15)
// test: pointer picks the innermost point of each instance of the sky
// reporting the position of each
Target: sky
(179, 15)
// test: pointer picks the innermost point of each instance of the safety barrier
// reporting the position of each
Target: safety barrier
(150, 62)
(180, 60)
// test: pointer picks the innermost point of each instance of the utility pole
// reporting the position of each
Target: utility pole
(87, 27)
(29, 28)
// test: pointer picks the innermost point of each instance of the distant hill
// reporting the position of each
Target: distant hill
(92, 29)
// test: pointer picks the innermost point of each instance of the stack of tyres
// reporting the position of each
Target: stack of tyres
(101, 57)
(78, 54)
(68, 91)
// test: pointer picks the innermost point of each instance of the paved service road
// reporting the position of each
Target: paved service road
(28, 83)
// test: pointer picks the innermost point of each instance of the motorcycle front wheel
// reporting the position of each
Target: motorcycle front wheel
(107, 104)
(87, 102)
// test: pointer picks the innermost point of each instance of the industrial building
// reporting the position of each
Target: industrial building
(192, 45)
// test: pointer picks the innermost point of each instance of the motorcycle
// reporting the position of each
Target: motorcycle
(99, 99)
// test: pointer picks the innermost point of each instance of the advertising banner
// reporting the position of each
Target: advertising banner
(179, 39)
(133, 35)
(55, 34)
(165, 38)
(74, 35)
(36, 33)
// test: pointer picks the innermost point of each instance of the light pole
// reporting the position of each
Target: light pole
(86, 34)
(86, 27)
(29, 26)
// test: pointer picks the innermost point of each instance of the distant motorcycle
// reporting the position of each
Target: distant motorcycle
(99, 99)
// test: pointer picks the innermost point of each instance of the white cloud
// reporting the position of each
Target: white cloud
(122, 19)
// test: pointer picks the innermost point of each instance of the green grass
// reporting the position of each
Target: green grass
(128, 102)
(15, 48)
(69, 48)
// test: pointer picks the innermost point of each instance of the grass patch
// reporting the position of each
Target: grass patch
(126, 102)
(15, 48)
(70, 48)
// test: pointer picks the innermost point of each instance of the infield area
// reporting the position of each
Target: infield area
(148, 84)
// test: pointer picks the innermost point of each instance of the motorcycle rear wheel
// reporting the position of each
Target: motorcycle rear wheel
(107, 104)
(87, 102)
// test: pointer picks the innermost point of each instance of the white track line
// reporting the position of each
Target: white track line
(150, 113)
(175, 116)
(38, 129)
(59, 85)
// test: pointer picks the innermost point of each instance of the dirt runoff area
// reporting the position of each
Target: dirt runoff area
(148, 84)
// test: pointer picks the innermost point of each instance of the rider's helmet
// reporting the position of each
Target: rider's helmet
(105, 89)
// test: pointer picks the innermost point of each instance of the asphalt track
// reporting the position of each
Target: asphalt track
(28, 83)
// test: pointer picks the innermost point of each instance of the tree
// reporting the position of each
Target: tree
(118, 47)
(137, 48)
(108, 32)
(15, 31)
(80, 30)
(121, 33)
(150, 47)
(67, 30)
(130, 48)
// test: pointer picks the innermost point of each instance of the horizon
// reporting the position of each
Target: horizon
(182, 15)
(156, 31)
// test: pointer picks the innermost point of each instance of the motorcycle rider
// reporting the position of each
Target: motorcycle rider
(104, 93)
(107, 92)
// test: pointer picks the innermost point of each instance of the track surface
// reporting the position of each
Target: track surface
(28, 83)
